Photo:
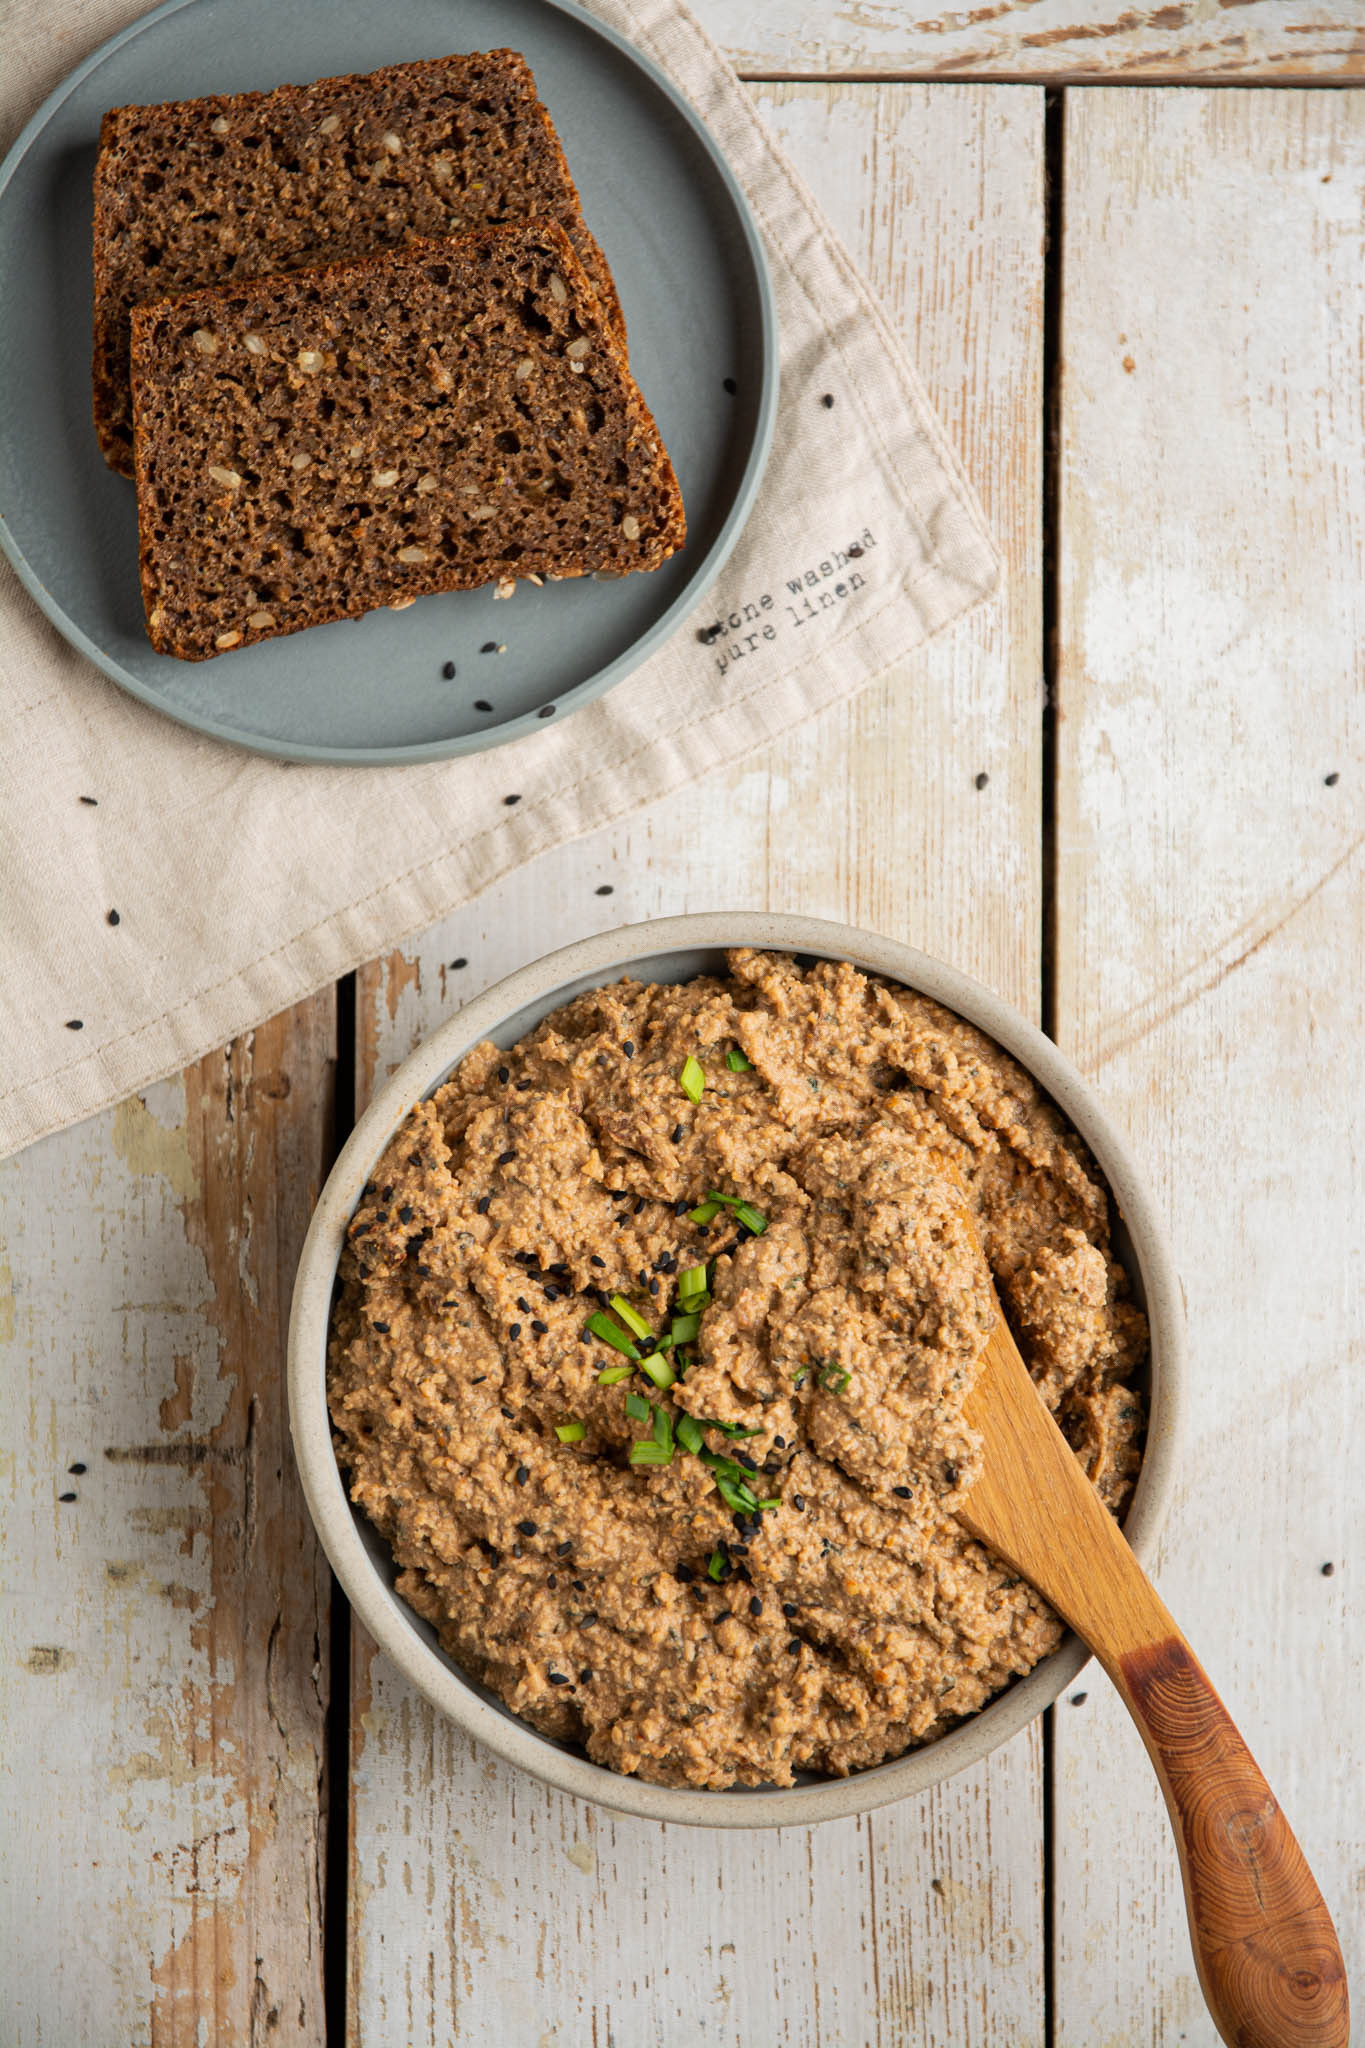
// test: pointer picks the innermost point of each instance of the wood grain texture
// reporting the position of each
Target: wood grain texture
(1046, 40)
(1211, 938)
(163, 1691)
(484, 1909)
(1263, 1941)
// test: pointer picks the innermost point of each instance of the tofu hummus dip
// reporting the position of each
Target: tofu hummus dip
(649, 1356)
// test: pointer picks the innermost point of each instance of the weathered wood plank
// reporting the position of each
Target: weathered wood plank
(1211, 958)
(1049, 41)
(485, 1910)
(165, 1607)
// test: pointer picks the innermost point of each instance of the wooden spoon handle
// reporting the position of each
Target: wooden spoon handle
(1263, 1940)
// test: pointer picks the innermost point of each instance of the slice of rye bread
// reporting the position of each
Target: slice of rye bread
(207, 191)
(314, 446)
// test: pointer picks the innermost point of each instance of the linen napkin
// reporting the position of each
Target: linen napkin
(251, 883)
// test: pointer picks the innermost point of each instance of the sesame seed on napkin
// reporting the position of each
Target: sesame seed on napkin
(256, 883)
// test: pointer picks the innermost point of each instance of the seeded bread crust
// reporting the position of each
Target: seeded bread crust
(209, 191)
(314, 446)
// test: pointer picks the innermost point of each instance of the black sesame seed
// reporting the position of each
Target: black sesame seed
(382, 1328)
(557, 1678)
(585, 1675)
(605, 889)
(789, 1609)
(523, 1474)
(1328, 1570)
(514, 1330)
(89, 799)
(482, 1205)
(552, 1293)
(755, 1605)
(528, 1528)
(629, 1048)
(523, 1304)
(552, 1581)
(489, 647)
(653, 1286)
(1332, 780)
(113, 918)
(855, 552)
(541, 1329)
(743, 1458)
(684, 1574)
(594, 1260)
(794, 1647)
(448, 671)
(546, 711)
(579, 1585)
(513, 799)
(77, 1468)
(729, 384)
(903, 1492)
(505, 1410)
(639, 1205)
(405, 1213)
(504, 1075)
(798, 1500)
(828, 401)
(563, 1549)
(75, 1024)
(982, 779)
(66, 1496)
(479, 1378)
(506, 1158)
(482, 704)
(677, 1139)
(1078, 1699)
(459, 963)
(779, 1443)
(517, 1550)
(386, 1194)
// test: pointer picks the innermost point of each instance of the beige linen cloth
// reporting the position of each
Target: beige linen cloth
(245, 884)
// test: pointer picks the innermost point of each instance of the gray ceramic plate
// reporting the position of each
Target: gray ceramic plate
(691, 272)
(674, 949)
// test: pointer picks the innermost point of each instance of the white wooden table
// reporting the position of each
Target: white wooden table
(1140, 307)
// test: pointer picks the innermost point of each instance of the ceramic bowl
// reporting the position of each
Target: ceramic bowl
(675, 949)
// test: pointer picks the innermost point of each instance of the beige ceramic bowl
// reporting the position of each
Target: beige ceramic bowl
(675, 949)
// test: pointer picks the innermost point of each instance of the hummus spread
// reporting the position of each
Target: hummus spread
(779, 1584)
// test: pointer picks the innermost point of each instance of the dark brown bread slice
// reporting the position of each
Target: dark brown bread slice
(311, 447)
(208, 191)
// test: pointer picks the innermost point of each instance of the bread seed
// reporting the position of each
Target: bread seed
(484, 512)
(220, 126)
(355, 451)
(425, 484)
(392, 143)
(225, 476)
(559, 291)
(260, 620)
(254, 344)
(441, 168)
(227, 640)
(206, 343)
(412, 554)
(383, 478)
(309, 361)
(299, 461)
(578, 368)
(329, 125)
(524, 368)
(506, 587)
(401, 604)
(578, 348)
(630, 526)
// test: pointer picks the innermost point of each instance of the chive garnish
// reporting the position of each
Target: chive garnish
(801, 1375)
(833, 1379)
(663, 1428)
(719, 1565)
(692, 1280)
(685, 1328)
(658, 1369)
(773, 1503)
(737, 1063)
(744, 1212)
(571, 1432)
(704, 1212)
(611, 1333)
(689, 1434)
(692, 1080)
(730, 1428)
(632, 1318)
(612, 1375)
(637, 1408)
(647, 1452)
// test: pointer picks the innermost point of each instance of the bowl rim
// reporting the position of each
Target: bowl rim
(600, 959)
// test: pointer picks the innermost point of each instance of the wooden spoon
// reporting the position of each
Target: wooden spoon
(1264, 1944)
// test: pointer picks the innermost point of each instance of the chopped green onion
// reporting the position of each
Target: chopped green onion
(752, 1219)
(689, 1434)
(704, 1212)
(611, 1333)
(737, 1063)
(718, 1567)
(571, 1432)
(801, 1375)
(692, 1080)
(732, 1483)
(692, 1280)
(775, 1502)
(663, 1428)
(632, 1318)
(612, 1375)
(685, 1328)
(658, 1369)
(730, 1428)
(647, 1452)
(637, 1408)
(833, 1379)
